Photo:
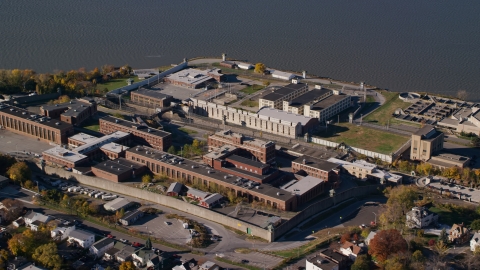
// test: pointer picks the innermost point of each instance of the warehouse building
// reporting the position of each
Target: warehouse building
(119, 170)
(33, 125)
(118, 204)
(306, 188)
(150, 98)
(289, 92)
(144, 135)
(282, 75)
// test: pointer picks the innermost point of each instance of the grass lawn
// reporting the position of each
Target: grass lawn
(363, 137)
(92, 124)
(384, 112)
(116, 83)
(252, 89)
(188, 131)
(250, 103)
(455, 215)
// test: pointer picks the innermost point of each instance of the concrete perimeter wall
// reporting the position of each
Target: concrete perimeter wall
(163, 200)
(322, 206)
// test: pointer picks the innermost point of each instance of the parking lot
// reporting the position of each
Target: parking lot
(12, 142)
(246, 214)
(364, 215)
(456, 191)
(256, 259)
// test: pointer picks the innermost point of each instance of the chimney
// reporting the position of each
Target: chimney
(224, 56)
(304, 161)
(304, 74)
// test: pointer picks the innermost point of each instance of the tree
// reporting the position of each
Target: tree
(119, 115)
(171, 150)
(400, 201)
(266, 83)
(476, 141)
(19, 172)
(62, 99)
(365, 232)
(148, 244)
(147, 178)
(417, 256)
(260, 68)
(94, 208)
(361, 263)
(443, 237)
(386, 243)
(462, 94)
(196, 144)
(475, 225)
(127, 265)
(47, 255)
(345, 237)
(12, 209)
(3, 258)
(5, 163)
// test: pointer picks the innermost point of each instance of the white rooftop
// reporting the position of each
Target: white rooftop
(303, 185)
(80, 234)
(286, 75)
(64, 154)
(284, 116)
(191, 76)
(116, 204)
(82, 137)
(114, 147)
(99, 142)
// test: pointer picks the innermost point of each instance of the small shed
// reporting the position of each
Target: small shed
(174, 189)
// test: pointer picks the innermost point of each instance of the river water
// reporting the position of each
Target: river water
(408, 45)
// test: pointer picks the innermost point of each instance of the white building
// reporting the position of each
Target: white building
(34, 220)
(351, 250)
(475, 242)
(420, 217)
(282, 75)
(208, 265)
(369, 238)
(320, 263)
(363, 170)
(82, 238)
(117, 204)
(241, 65)
(61, 233)
(99, 247)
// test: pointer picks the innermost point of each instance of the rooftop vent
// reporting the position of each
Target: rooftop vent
(105, 164)
(116, 120)
(75, 110)
(257, 187)
(57, 123)
(149, 130)
(278, 193)
(137, 149)
(24, 112)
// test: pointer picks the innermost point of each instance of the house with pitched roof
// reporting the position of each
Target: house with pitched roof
(351, 250)
(459, 234)
(475, 242)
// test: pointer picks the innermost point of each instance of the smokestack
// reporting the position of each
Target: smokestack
(304, 74)
(224, 56)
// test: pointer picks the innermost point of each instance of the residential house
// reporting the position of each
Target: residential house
(110, 254)
(369, 238)
(32, 266)
(187, 265)
(34, 220)
(208, 265)
(130, 217)
(336, 257)
(174, 189)
(155, 263)
(459, 234)
(420, 217)
(196, 194)
(125, 254)
(475, 242)
(351, 250)
(81, 238)
(18, 222)
(99, 247)
(61, 233)
(142, 256)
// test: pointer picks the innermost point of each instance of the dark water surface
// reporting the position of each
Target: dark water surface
(408, 45)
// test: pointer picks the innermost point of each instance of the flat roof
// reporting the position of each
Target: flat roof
(132, 214)
(83, 137)
(221, 152)
(135, 126)
(212, 198)
(247, 161)
(425, 130)
(328, 101)
(282, 73)
(151, 93)
(303, 185)
(99, 142)
(246, 139)
(191, 76)
(80, 234)
(309, 97)
(34, 117)
(284, 116)
(73, 108)
(114, 147)
(285, 90)
(316, 163)
(116, 204)
(65, 154)
(200, 168)
(103, 243)
(117, 166)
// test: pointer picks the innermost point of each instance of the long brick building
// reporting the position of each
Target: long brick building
(319, 168)
(33, 125)
(262, 150)
(73, 112)
(144, 135)
(196, 173)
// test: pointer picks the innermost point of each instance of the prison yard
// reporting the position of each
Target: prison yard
(363, 137)
(383, 114)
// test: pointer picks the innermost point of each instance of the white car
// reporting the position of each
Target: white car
(123, 240)
(167, 223)
(221, 255)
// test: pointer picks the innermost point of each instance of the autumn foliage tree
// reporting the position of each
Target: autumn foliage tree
(386, 243)
(260, 68)
(47, 256)
(400, 201)
(127, 265)
(19, 172)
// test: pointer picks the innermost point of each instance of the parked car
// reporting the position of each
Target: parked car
(135, 244)
(245, 261)
(214, 238)
(167, 223)
(123, 240)
(110, 236)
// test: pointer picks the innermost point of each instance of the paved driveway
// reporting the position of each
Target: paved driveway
(155, 225)
(256, 259)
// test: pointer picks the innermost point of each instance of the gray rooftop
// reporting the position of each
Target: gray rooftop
(103, 243)
(132, 214)
(151, 93)
(99, 142)
(114, 147)
(80, 234)
(33, 117)
(64, 154)
(190, 76)
(247, 161)
(73, 107)
(212, 198)
(303, 185)
(175, 187)
(135, 126)
(117, 204)
(287, 89)
(82, 137)
(309, 97)
(284, 116)
(316, 163)
(117, 166)
(328, 101)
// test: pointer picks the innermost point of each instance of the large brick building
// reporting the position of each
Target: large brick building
(73, 112)
(118, 170)
(262, 150)
(59, 156)
(144, 135)
(150, 98)
(319, 168)
(196, 173)
(246, 168)
(33, 125)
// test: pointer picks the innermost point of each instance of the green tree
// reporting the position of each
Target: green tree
(148, 243)
(365, 232)
(400, 201)
(94, 208)
(266, 83)
(417, 256)
(19, 172)
(5, 163)
(476, 142)
(443, 237)
(127, 265)
(260, 68)
(147, 178)
(196, 144)
(361, 263)
(47, 255)
(475, 225)
(171, 150)
(119, 115)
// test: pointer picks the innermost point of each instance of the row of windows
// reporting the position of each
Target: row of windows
(40, 132)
